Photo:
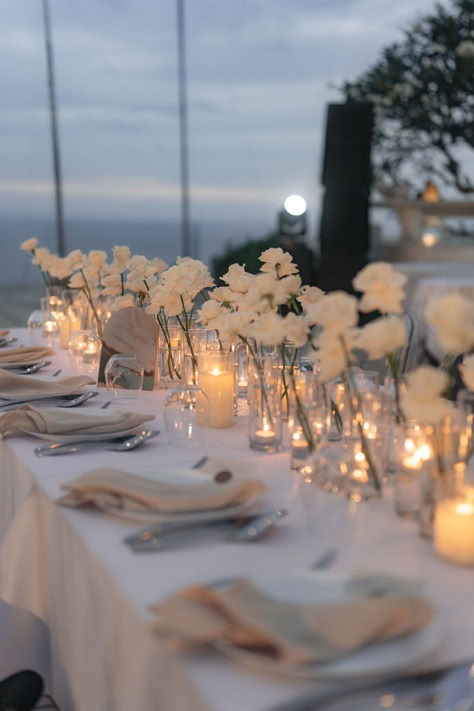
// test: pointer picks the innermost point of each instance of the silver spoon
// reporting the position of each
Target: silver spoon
(26, 370)
(119, 445)
(6, 341)
(79, 399)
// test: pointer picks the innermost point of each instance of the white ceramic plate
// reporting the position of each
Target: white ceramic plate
(182, 476)
(372, 661)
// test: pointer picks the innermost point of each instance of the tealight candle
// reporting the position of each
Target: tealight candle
(216, 378)
(265, 434)
(454, 531)
(89, 353)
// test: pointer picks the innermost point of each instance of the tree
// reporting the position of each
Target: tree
(423, 91)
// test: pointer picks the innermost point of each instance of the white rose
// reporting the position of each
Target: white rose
(286, 288)
(309, 295)
(231, 325)
(467, 372)
(382, 288)
(57, 267)
(122, 255)
(389, 301)
(112, 285)
(382, 337)
(237, 278)
(335, 312)
(76, 259)
(452, 318)
(277, 261)
(261, 293)
(136, 280)
(122, 302)
(29, 244)
(76, 281)
(97, 257)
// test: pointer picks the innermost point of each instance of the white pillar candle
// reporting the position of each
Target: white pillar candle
(454, 531)
(218, 385)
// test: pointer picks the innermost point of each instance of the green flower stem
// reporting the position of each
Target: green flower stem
(337, 416)
(260, 376)
(302, 417)
(121, 281)
(88, 294)
(355, 415)
(185, 328)
(171, 364)
(400, 417)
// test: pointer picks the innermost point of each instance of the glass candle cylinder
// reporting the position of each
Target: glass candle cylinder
(454, 530)
(336, 407)
(216, 379)
(360, 484)
(84, 351)
(290, 368)
(264, 422)
(186, 412)
(411, 454)
(241, 360)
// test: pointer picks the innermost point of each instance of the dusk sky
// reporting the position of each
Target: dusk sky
(259, 72)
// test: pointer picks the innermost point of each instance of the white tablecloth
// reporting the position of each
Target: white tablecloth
(71, 569)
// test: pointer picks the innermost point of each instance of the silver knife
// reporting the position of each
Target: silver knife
(252, 530)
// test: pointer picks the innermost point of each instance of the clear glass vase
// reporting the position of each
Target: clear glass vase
(170, 358)
(264, 419)
(186, 412)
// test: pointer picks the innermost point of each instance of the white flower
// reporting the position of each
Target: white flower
(158, 265)
(330, 356)
(467, 372)
(452, 318)
(309, 295)
(295, 329)
(122, 255)
(136, 281)
(76, 281)
(138, 261)
(427, 380)
(225, 295)
(122, 302)
(237, 278)
(261, 293)
(382, 288)
(40, 255)
(425, 410)
(286, 288)
(335, 312)
(97, 257)
(57, 267)
(29, 244)
(76, 259)
(232, 325)
(465, 49)
(268, 329)
(382, 337)
(210, 310)
(112, 285)
(277, 261)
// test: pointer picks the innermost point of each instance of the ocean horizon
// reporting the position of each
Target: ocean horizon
(162, 239)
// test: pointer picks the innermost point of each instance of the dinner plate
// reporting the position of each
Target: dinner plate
(380, 659)
(76, 390)
(181, 476)
(8, 366)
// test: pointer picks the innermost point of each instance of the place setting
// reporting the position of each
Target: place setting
(16, 391)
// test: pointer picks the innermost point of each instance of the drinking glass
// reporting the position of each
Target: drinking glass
(124, 378)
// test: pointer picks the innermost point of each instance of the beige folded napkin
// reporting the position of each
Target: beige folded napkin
(16, 387)
(297, 633)
(25, 354)
(4, 332)
(62, 421)
(135, 493)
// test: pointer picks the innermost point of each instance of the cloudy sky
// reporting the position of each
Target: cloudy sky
(259, 80)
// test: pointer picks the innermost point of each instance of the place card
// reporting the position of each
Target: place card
(131, 331)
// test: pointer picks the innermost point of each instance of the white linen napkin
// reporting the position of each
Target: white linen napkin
(25, 354)
(292, 632)
(17, 387)
(135, 493)
(62, 421)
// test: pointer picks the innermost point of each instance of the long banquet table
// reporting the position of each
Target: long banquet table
(71, 569)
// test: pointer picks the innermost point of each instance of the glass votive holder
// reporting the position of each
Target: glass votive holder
(186, 412)
(216, 379)
(363, 480)
(411, 452)
(336, 408)
(453, 531)
(241, 366)
(264, 396)
(84, 349)
(124, 378)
